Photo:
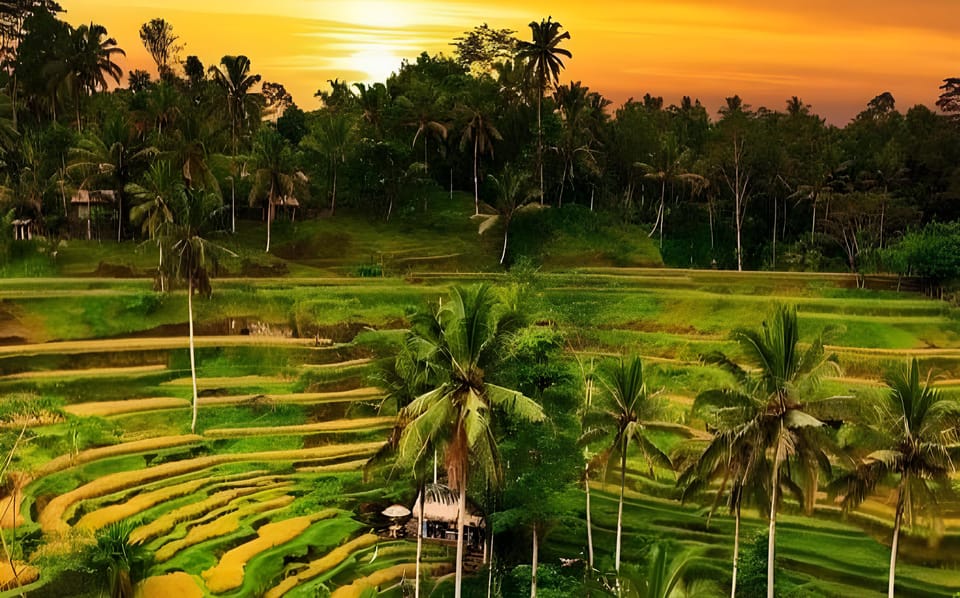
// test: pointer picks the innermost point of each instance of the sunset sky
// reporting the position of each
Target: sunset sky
(834, 54)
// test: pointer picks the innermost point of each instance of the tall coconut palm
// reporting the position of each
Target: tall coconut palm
(275, 179)
(194, 258)
(913, 431)
(513, 196)
(463, 339)
(672, 166)
(543, 60)
(623, 418)
(156, 198)
(332, 137)
(89, 63)
(108, 160)
(480, 133)
(234, 77)
(730, 459)
(771, 415)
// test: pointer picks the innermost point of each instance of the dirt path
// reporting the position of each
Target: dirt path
(339, 425)
(150, 344)
(86, 373)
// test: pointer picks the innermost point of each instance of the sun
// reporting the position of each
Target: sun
(376, 63)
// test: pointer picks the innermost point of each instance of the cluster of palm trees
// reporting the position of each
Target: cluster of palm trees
(769, 430)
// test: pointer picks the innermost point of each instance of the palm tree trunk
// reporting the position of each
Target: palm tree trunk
(540, 141)
(233, 206)
(771, 539)
(533, 572)
(490, 569)
(506, 231)
(736, 551)
(461, 520)
(333, 195)
(119, 215)
(193, 359)
(416, 590)
(160, 266)
(476, 176)
(898, 521)
(623, 482)
(269, 219)
(586, 479)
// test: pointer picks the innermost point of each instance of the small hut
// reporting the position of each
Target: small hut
(88, 205)
(440, 520)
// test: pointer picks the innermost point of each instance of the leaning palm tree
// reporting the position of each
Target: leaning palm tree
(730, 459)
(464, 340)
(624, 417)
(671, 166)
(770, 415)
(913, 430)
(233, 76)
(543, 61)
(513, 196)
(161, 190)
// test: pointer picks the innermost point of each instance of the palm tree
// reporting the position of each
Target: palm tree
(625, 417)
(194, 258)
(664, 577)
(233, 76)
(463, 340)
(577, 108)
(543, 61)
(332, 137)
(479, 132)
(90, 62)
(274, 178)
(420, 104)
(109, 160)
(513, 196)
(672, 166)
(161, 192)
(770, 416)
(731, 459)
(915, 438)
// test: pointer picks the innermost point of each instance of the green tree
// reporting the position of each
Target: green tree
(672, 165)
(770, 415)
(479, 132)
(88, 63)
(275, 179)
(194, 258)
(332, 135)
(461, 339)
(234, 78)
(155, 199)
(623, 417)
(543, 61)
(914, 437)
(161, 43)
(109, 160)
(513, 196)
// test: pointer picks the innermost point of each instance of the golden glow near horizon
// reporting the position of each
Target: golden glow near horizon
(834, 55)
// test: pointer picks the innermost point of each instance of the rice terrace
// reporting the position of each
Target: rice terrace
(456, 324)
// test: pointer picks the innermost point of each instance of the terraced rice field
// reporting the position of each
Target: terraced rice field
(267, 498)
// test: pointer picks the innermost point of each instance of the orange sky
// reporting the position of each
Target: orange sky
(834, 54)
